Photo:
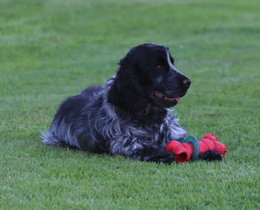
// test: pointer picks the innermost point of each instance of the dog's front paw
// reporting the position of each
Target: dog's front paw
(211, 155)
(168, 158)
(158, 155)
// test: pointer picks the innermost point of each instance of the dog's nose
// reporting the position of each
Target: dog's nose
(186, 83)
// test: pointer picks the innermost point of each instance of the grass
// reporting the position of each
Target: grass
(52, 49)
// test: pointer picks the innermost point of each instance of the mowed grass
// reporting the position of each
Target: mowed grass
(52, 49)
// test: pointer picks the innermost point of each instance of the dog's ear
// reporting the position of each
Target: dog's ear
(126, 91)
(114, 92)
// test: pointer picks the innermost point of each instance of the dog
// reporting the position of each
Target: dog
(130, 115)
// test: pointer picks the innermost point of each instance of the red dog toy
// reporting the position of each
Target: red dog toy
(184, 151)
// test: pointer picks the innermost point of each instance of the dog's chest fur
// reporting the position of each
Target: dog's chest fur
(124, 133)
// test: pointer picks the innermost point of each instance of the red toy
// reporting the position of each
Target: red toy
(185, 150)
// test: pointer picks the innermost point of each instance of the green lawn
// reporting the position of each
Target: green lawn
(52, 49)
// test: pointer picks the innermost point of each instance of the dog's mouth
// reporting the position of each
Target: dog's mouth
(159, 95)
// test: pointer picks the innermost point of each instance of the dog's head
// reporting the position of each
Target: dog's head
(147, 75)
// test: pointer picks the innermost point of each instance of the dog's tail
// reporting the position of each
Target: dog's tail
(59, 137)
(49, 138)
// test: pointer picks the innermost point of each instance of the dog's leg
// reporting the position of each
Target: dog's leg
(154, 154)
(135, 150)
(210, 155)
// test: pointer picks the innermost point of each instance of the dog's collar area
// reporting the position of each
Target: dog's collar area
(146, 110)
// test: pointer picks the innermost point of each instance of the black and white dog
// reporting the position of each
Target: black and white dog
(129, 115)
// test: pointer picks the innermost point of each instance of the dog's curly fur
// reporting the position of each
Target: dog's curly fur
(130, 114)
